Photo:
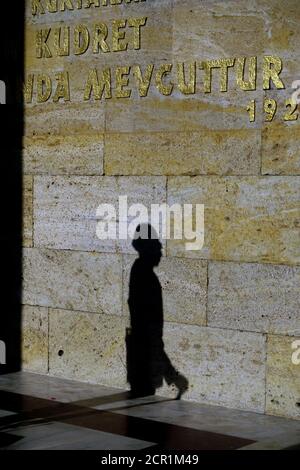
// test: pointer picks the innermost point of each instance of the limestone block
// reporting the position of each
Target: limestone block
(217, 29)
(283, 378)
(246, 219)
(224, 367)
(182, 113)
(88, 347)
(254, 297)
(65, 209)
(73, 280)
(283, 35)
(63, 118)
(184, 289)
(280, 149)
(35, 339)
(184, 153)
(59, 155)
(27, 211)
(137, 154)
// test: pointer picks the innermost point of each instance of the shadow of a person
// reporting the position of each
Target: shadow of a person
(147, 361)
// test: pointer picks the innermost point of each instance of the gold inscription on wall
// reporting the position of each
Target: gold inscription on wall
(118, 36)
(40, 7)
(99, 38)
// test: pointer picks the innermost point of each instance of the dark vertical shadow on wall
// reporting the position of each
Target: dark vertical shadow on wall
(12, 73)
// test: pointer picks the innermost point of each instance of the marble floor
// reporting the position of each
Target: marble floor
(42, 412)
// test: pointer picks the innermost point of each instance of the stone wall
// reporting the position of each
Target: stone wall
(232, 310)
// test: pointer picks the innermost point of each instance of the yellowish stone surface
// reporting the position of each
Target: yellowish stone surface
(280, 149)
(224, 367)
(254, 297)
(64, 118)
(183, 153)
(66, 209)
(63, 155)
(246, 219)
(197, 148)
(88, 347)
(27, 211)
(283, 378)
(35, 339)
(73, 280)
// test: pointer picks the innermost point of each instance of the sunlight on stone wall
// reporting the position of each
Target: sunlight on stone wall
(232, 310)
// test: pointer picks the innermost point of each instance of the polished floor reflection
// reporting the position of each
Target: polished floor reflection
(41, 412)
